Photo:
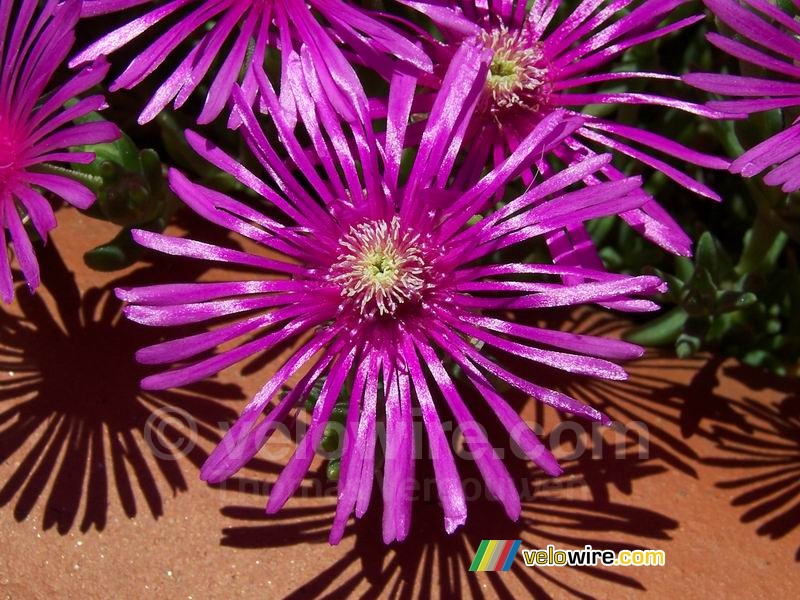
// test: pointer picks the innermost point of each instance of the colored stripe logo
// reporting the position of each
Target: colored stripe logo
(495, 555)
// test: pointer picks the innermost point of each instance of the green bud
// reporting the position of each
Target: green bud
(333, 468)
(756, 358)
(773, 326)
(687, 345)
(313, 394)
(330, 440)
(339, 412)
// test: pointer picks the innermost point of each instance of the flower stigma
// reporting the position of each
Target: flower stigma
(379, 266)
(517, 77)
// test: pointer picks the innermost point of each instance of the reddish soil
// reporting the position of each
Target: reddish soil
(87, 510)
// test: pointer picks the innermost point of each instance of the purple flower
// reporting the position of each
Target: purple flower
(766, 37)
(386, 282)
(252, 28)
(36, 128)
(541, 65)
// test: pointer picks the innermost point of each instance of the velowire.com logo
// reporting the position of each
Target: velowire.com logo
(498, 555)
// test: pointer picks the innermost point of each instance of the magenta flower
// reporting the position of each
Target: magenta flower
(36, 129)
(766, 38)
(252, 28)
(387, 282)
(541, 65)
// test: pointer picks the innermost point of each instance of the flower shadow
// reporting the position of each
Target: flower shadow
(751, 417)
(665, 402)
(766, 458)
(554, 511)
(74, 423)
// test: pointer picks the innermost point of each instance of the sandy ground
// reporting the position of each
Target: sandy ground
(87, 509)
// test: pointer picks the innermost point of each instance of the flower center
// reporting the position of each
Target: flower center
(379, 266)
(517, 74)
